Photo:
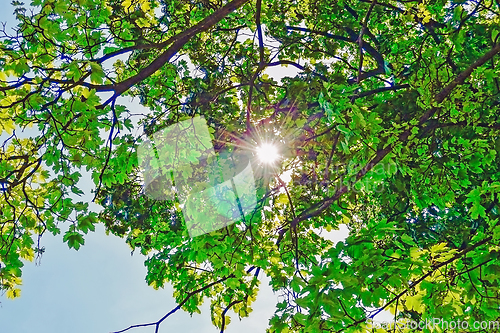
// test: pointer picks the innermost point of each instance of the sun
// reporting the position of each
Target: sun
(267, 153)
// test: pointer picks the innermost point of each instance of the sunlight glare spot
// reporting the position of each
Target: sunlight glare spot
(267, 153)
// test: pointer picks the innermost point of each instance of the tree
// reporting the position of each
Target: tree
(389, 126)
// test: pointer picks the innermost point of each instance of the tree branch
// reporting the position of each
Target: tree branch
(177, 43)
(379, 90)
(223, 315)
(191, 294)
(360, 39)
(321, 33)
(261, 62)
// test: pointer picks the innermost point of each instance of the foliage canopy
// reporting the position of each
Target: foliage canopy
(389, 123)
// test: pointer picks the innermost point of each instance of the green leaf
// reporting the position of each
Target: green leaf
(74, 239)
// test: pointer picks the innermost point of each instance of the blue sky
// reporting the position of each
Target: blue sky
(101, 288)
